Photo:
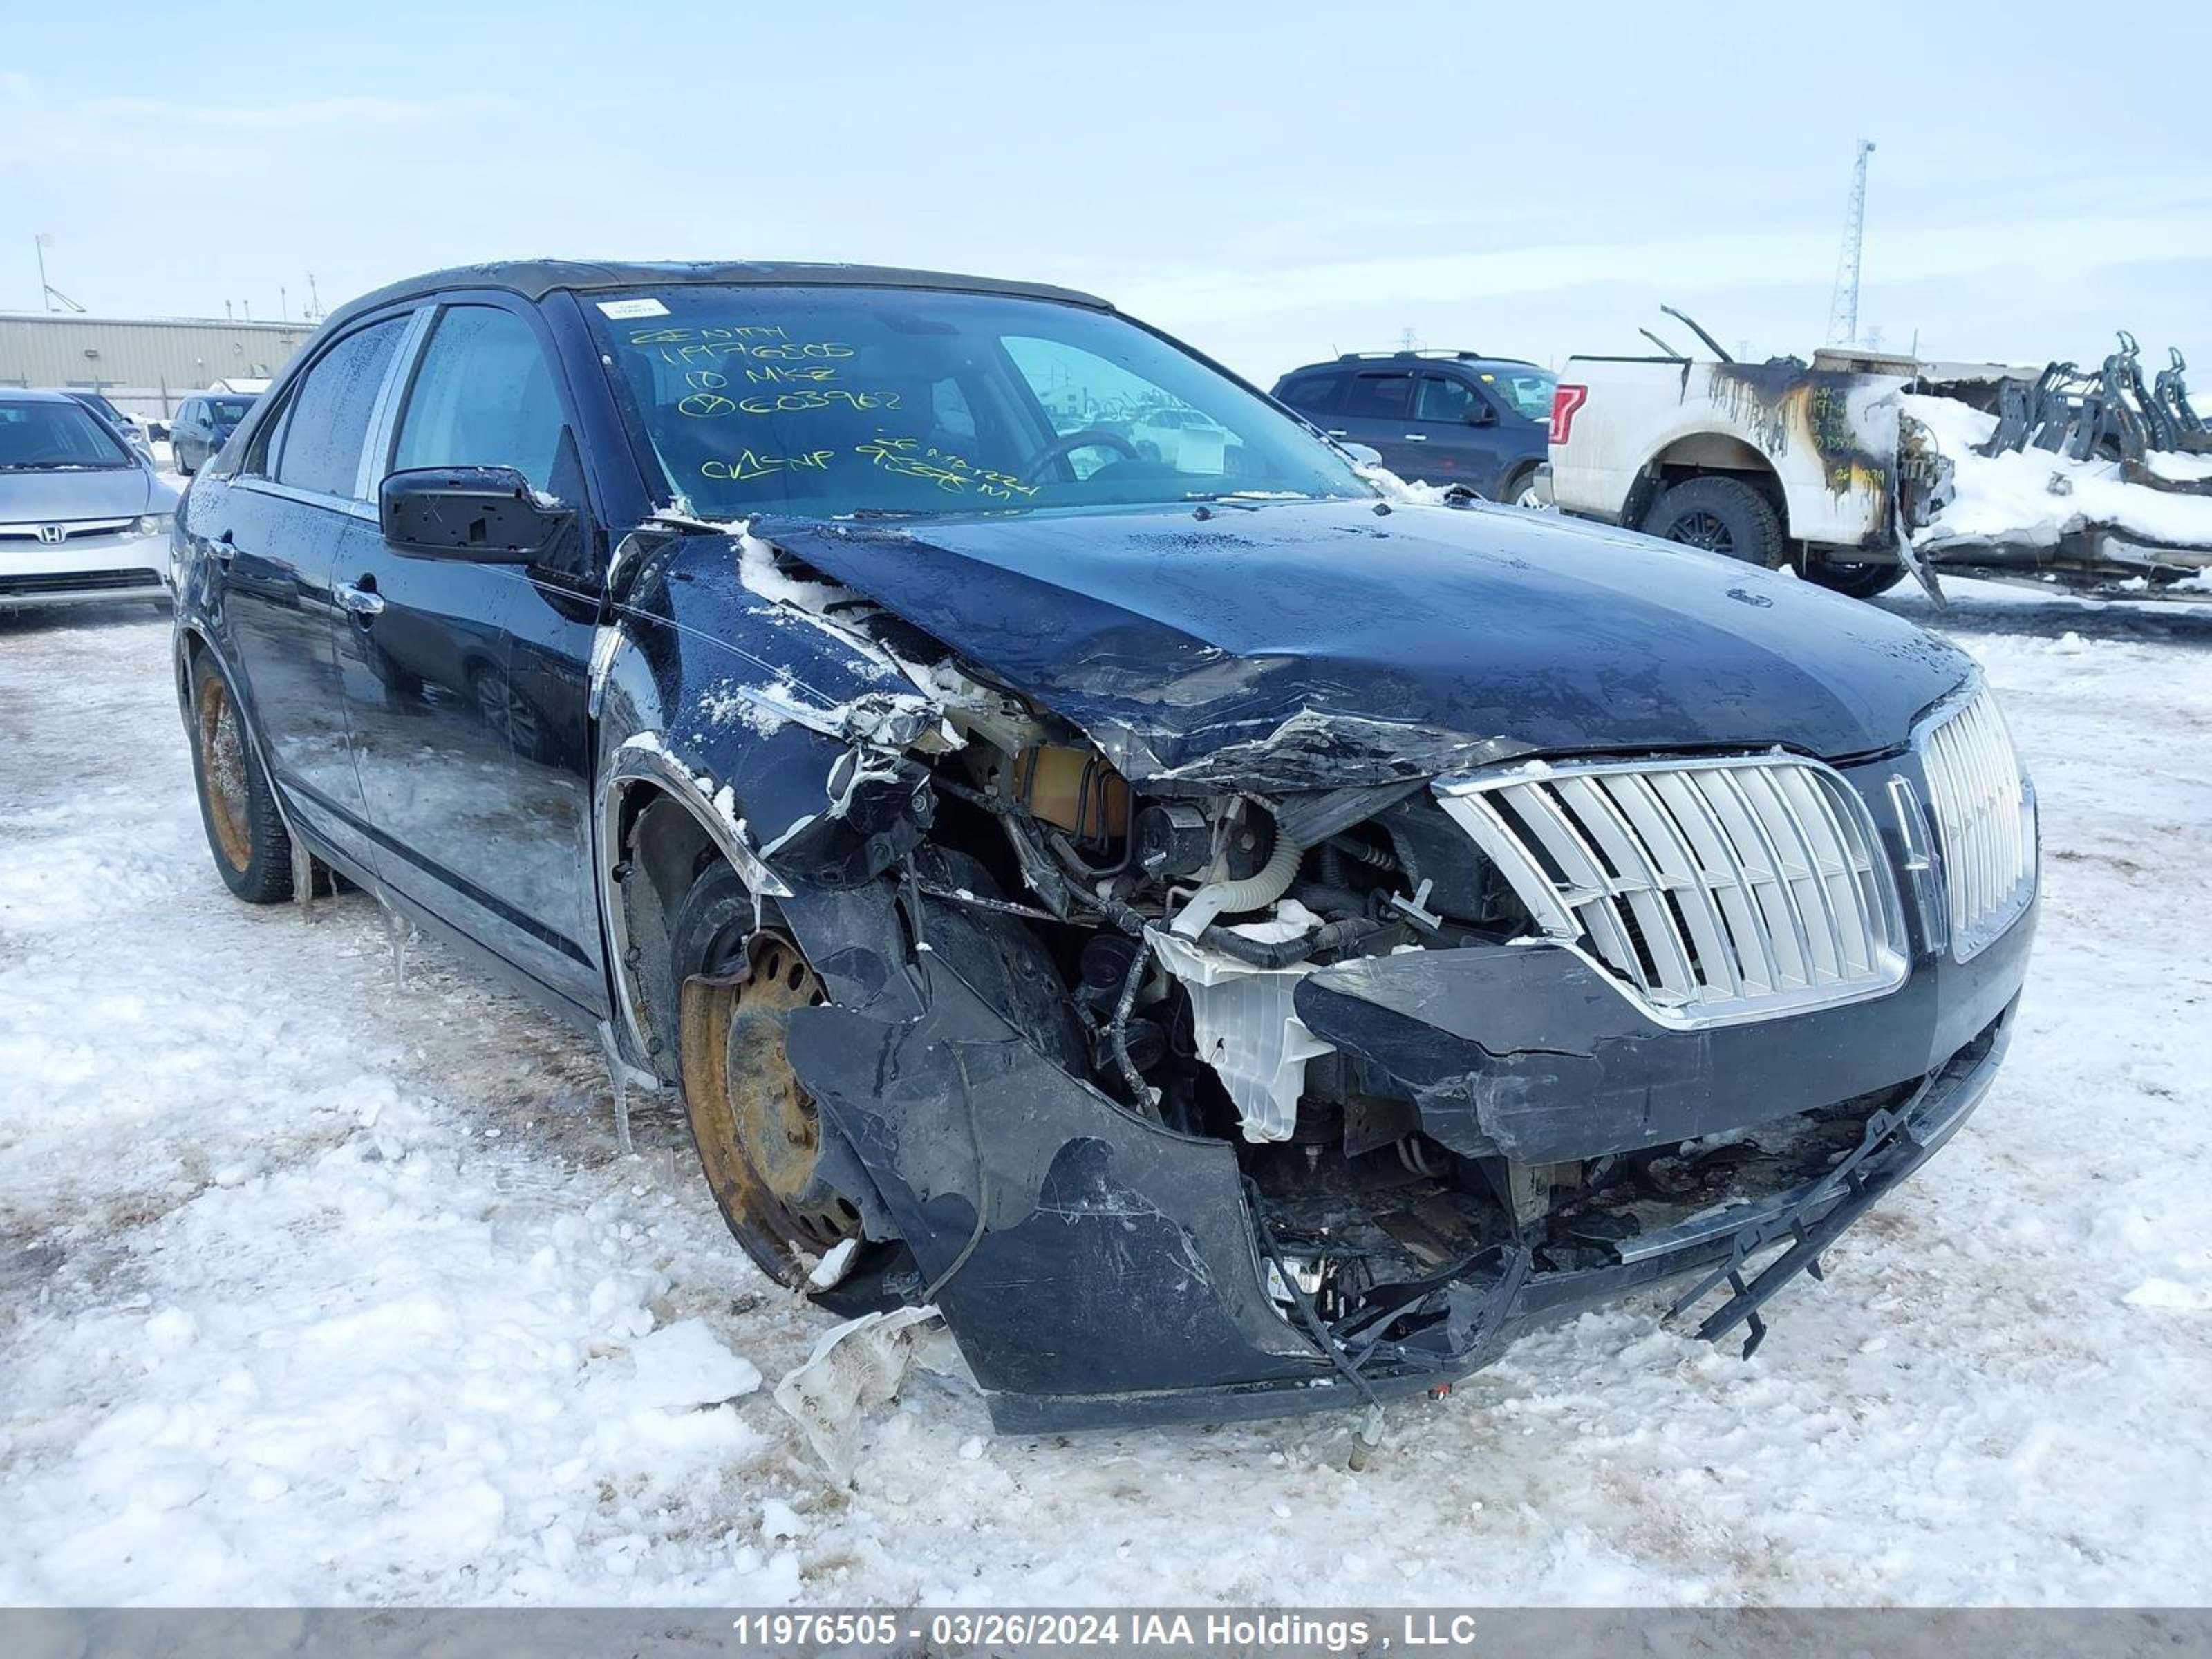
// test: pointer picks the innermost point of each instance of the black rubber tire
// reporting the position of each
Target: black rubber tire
(176, 456)
(1517, 485)
(245, 833)
(1721, 515)
(1856, 582)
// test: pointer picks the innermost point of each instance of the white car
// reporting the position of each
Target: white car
(83, 515)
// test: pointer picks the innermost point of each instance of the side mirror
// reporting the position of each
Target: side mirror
(1481, 414)
(485, 514)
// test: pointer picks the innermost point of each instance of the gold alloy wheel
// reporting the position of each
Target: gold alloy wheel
(223, 770)
(757, 1131)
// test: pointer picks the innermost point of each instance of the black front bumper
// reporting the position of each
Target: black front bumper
(1097, 1267)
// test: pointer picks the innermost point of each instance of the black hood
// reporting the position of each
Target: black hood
(1326, 644)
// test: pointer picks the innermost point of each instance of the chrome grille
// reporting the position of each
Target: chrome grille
(1712, 891)
(1984, 821)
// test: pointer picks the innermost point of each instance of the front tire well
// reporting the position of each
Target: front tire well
(660, 848)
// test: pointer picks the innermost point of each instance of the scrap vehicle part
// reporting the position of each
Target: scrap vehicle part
(2171, 391)
(1248, 1030)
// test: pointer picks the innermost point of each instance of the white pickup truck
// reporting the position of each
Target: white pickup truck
(1775, 463)
(1857, 467)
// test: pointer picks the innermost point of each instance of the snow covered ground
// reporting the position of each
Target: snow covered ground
(321, 1283)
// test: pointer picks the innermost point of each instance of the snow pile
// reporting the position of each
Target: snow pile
(2031, 498)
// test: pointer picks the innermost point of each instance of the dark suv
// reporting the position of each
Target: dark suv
(1435, 417)
(1231, 942)
(203, 426)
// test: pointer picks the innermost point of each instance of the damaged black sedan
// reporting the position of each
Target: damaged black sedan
(1092, 861)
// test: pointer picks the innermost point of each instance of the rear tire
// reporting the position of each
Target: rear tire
(1856, 582)
(245, 831)
(1721, 515)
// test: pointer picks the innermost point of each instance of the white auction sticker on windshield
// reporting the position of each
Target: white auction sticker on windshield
(620, 309)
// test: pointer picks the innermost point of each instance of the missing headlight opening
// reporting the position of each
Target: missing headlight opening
(1335, 1053)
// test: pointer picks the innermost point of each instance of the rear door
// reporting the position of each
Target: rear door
(465, 683)
(276, 532)
(184, 446)
(1378, 411)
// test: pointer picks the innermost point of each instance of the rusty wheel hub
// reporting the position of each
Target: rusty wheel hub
(223, 770)
(758, 1132)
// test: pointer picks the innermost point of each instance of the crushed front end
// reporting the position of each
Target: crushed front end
(1187, 1093)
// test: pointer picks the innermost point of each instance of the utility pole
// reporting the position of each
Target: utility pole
(314, 300)
(1843, 303)
(42, 242)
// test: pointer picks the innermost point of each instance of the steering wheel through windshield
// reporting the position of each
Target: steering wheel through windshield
(1061, 448)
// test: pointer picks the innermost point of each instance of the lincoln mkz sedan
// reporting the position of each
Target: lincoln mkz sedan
(1230, 940)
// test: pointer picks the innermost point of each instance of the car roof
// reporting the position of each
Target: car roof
(533, 279)
(17, 394)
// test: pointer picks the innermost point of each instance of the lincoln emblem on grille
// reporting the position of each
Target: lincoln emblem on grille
(51, 533)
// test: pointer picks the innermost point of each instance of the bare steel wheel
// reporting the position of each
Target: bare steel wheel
(252, 850)
(756, 1128)
(223, 768)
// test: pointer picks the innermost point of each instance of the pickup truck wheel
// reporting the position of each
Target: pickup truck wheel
(1854, 580)
(755, 1126)
(1721, 515)
(253, 849)
(1520, 491)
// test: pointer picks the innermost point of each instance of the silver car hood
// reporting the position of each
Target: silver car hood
(115, 492)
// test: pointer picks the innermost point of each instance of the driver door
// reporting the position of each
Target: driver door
(465, 682)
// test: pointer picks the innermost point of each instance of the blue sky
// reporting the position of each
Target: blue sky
(1271, 182)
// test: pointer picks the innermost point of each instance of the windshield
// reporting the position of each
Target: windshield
(56, 437)
(832, 402)
(1527, 391)
(229, 411)
(95, 401)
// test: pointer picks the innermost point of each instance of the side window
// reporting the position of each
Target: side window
(1443, 398)
(1382, 396)
(326, 421)
(1316, 394)
(483, 396)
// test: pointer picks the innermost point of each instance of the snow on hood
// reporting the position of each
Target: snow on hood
(2009, 497)
(114, 492)
(1321, 644)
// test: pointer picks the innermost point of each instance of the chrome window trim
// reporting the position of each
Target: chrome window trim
(1753, 990)
(353, 509)
(384, 415)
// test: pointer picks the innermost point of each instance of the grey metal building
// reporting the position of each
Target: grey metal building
(144, 365)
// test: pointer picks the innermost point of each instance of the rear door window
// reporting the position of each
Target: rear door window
(326, 422)
(1382, 398)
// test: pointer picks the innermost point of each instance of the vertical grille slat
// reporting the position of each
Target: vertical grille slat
(1984, 824)
(1712, 890)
